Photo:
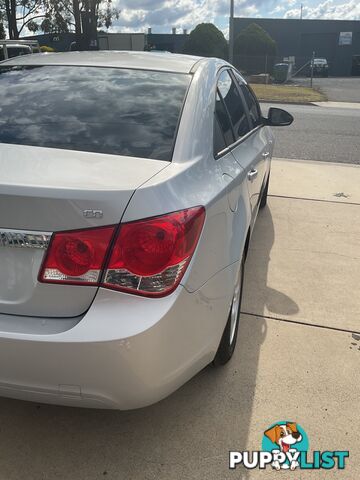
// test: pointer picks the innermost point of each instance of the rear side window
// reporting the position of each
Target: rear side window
(93, 109)
(251, 101)
(253, 105)
(223, 133)
(234, 104)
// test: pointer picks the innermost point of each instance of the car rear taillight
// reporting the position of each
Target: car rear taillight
(150, 256)
(147, 257)
(77, 256)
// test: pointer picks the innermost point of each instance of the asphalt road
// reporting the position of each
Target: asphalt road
(319, 133)
(336, 89)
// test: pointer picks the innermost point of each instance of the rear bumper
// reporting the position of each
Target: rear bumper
(126, 352)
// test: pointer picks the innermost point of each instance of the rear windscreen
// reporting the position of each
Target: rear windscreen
(93, 109)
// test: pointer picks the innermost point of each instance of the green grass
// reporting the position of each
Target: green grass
(288, 93)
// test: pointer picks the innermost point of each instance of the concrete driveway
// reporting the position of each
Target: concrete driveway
(297, 358)
(336, 89)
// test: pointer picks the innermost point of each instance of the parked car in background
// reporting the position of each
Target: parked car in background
(17, 48)
(15, 51)
(320, 67)
(130, 185)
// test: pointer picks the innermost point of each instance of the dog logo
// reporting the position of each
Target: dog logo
(287, 438)
(285, 446)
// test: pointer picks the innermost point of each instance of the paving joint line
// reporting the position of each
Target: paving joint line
(314, 200)
(322, 161)
(298, 322)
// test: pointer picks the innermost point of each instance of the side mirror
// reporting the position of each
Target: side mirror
(278, 118)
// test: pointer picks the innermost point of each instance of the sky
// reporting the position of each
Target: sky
(162, 15)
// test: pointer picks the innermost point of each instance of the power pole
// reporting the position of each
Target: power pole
(231, 33)
(301, 11)
(312, 69)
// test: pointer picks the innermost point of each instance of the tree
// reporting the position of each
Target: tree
(55, 16)
(254, 48)
(2, 18)
(254, 40)
(89, 15)
(206, 41)
(22, 13)
(44, 15)
(101, 11)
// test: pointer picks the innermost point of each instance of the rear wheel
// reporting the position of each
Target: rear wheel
(229, 337)
(264, 195)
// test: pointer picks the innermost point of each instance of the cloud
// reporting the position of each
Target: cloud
(139, 14)
(162, 15)
(278, 9)
(328, 10)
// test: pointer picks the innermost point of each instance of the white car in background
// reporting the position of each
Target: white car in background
(130, 186)
(15, 50)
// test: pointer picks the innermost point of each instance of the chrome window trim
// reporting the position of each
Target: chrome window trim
(237, 142)
(229, 148)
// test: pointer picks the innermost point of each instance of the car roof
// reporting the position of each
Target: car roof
(168, 62)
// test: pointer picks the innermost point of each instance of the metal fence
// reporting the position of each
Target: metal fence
(250, 65)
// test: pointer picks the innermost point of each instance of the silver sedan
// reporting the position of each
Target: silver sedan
(130, 185)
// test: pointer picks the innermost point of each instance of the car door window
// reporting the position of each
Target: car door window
(223, 132)
(252, 104)
(234, 104)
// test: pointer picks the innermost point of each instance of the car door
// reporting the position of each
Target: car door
(243, 148)
(223, 138)
(234, 180)
(258, 141)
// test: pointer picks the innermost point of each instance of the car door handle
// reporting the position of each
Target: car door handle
(252, 174)
(266, 154)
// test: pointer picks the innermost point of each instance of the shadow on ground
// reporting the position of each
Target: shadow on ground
(186, 436)
(257, 293)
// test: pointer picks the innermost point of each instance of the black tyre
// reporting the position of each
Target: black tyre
(229, 337)
(264, 195)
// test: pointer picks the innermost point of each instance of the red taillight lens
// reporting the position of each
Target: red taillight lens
(145, 248)
(74, 257)
(77, 256)
(150, 256)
